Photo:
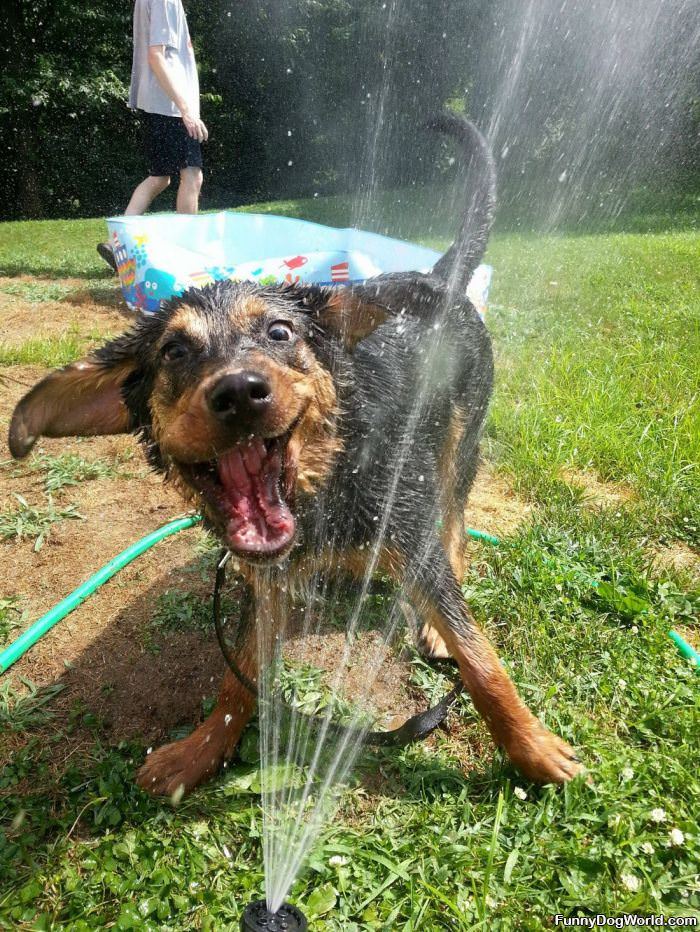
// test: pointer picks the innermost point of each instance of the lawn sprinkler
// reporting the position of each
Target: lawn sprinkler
(258, 918)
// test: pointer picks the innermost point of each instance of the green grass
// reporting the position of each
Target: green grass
(435, 848)
(51, 351)
(52, 248)
(48, 351)
(36, 292)
(597, 339)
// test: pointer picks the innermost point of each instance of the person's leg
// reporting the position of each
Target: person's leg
(188, 192)
(145, 194)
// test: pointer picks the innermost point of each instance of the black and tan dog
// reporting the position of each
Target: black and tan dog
(317, 425)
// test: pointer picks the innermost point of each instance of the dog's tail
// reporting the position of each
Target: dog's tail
(457, 265)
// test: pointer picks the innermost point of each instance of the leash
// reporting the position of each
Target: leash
(416, 728)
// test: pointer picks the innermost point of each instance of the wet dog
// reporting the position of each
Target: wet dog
(317, 425)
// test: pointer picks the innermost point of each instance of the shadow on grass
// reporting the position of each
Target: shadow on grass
(105, 295)
(41, 266)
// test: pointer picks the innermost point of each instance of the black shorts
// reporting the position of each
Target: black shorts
(169, 147)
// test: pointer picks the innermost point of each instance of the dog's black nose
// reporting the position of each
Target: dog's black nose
(240, 394)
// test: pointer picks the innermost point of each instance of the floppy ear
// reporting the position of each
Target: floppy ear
(82, 399)
(349, 313)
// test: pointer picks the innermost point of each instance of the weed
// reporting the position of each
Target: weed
(20, 711)
(182, 611)
(11, 616)
(27, 520)
(36, 291)
(71, 468)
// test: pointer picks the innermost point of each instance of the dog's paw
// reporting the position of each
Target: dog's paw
(176, 769)
(542, 756)
(431, 644)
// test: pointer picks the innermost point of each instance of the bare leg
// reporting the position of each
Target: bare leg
(145, 194)
(188, 192)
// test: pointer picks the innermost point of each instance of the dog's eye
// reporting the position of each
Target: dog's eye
(280, 331)
(173, 350)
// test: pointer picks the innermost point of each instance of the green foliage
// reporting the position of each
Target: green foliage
(21, 711)
(11, 615)
(329, 96)
(297, 84)
(25, 520)
(73, 143)
(68, 469)
(70, 135)
(177, 610)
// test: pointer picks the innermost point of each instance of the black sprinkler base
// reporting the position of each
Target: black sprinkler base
(257, 918)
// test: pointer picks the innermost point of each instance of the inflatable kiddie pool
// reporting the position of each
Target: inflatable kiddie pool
(161, 255)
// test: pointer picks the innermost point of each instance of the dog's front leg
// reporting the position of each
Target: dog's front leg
(178, 767)
(538, 754)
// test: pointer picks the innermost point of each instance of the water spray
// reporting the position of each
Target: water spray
(258, 918)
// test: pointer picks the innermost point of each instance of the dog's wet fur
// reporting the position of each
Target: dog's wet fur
(317, 428)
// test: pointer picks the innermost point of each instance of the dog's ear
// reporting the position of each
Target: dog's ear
(82, 399)
(348, 314)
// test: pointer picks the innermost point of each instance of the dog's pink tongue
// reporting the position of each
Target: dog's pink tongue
(259, 521)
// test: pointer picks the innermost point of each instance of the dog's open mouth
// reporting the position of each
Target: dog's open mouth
(245, 487)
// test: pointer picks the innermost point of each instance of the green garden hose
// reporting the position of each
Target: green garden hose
(77, 596)
(36, 631)
(685, 648)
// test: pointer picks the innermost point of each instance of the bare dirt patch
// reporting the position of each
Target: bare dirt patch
(494, 507)
(596, 491)
(100, 651)
(374, 679)
(79, 312)
(679, 557)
